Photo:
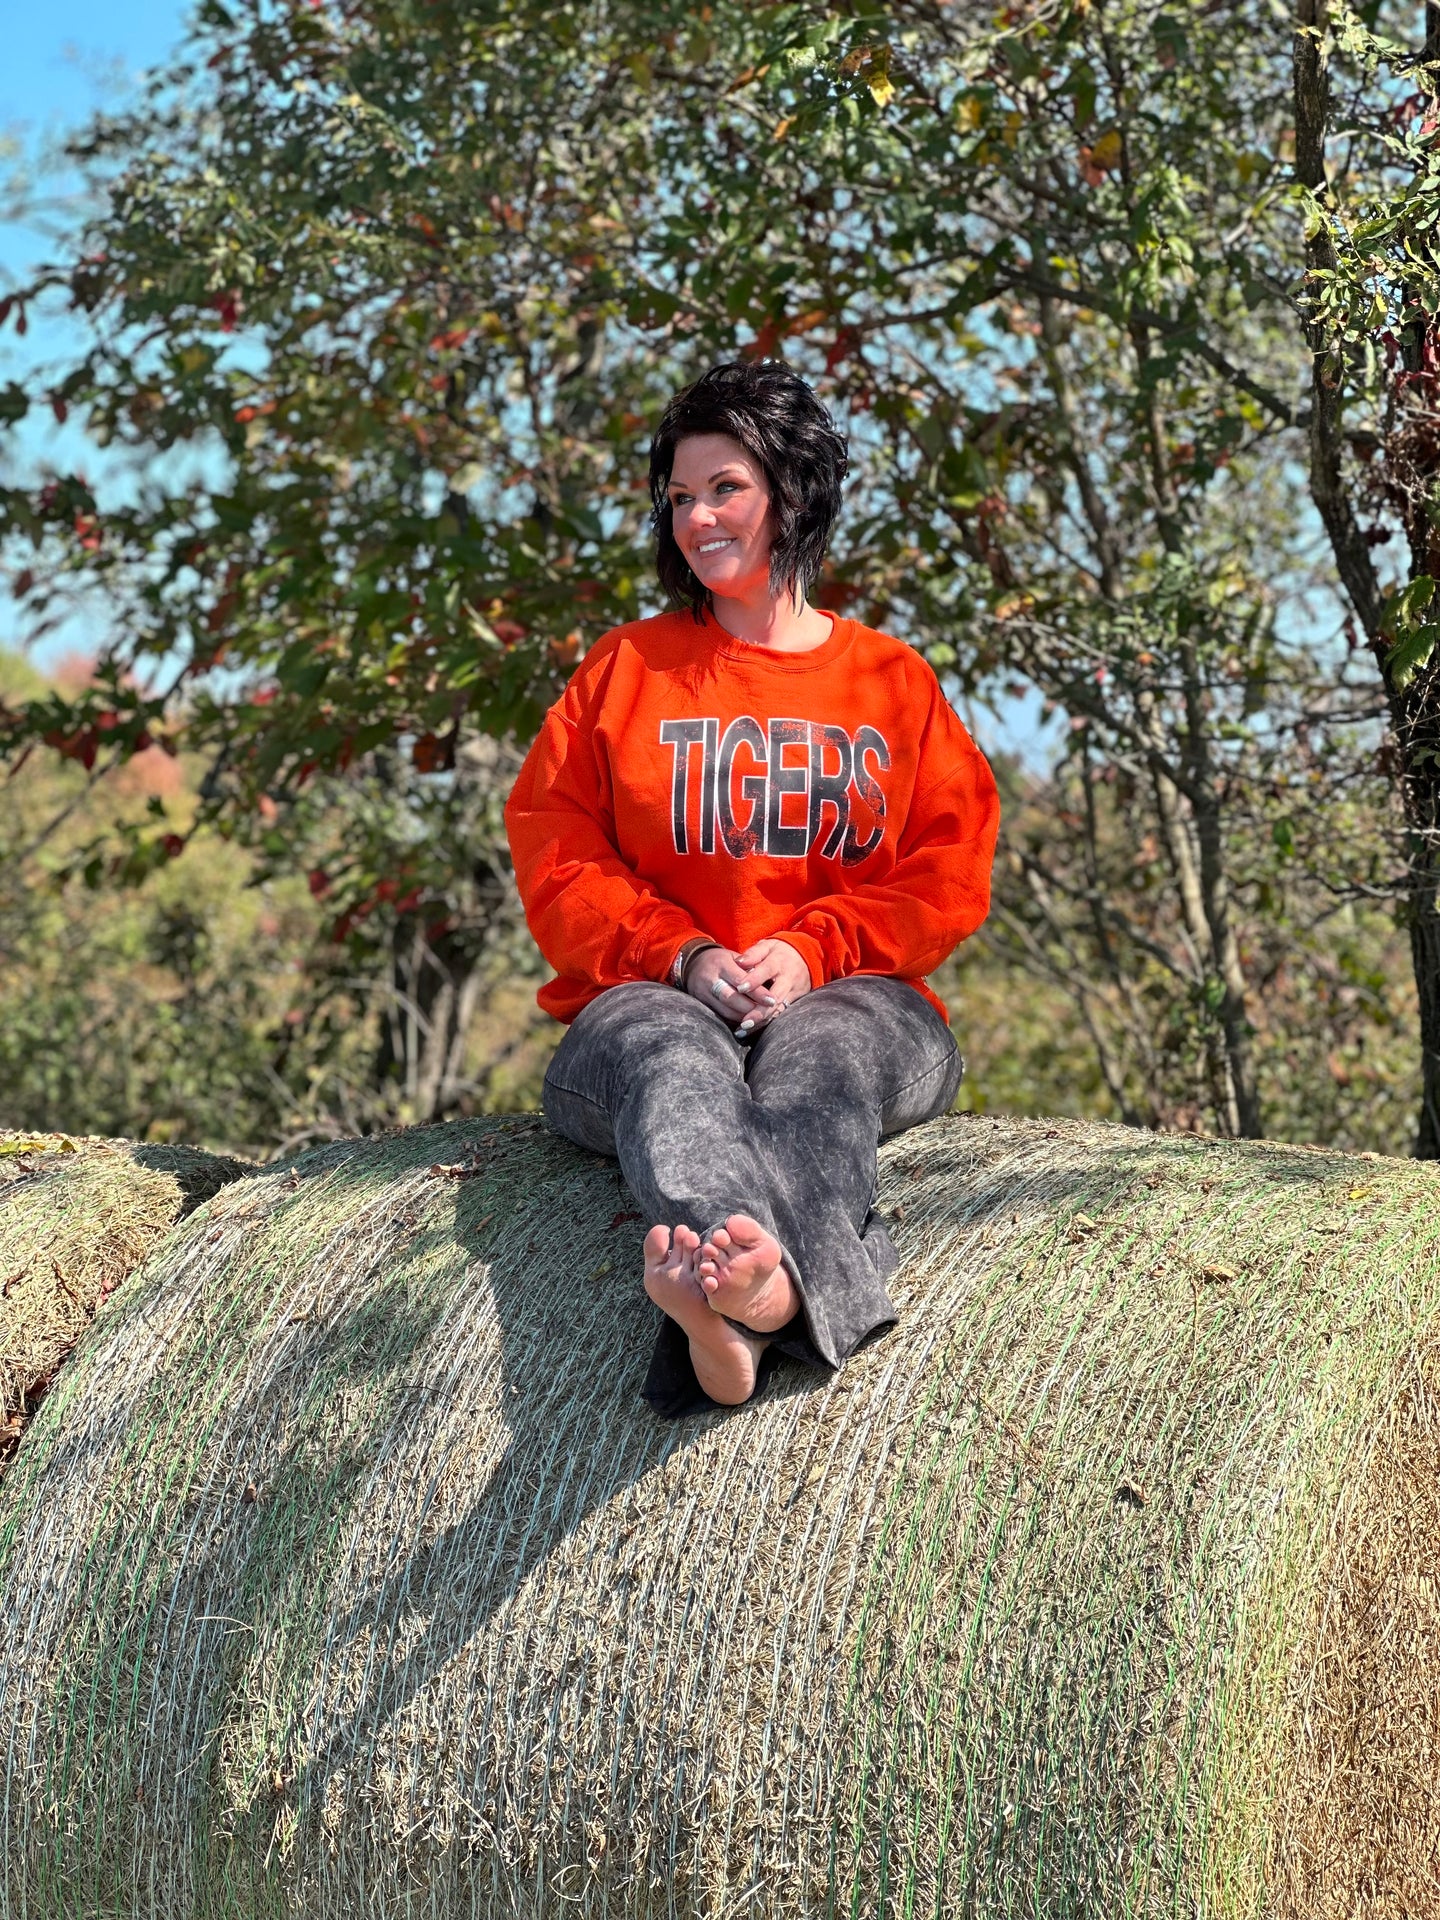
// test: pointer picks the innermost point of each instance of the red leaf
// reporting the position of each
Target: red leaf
(765, 341)
(319, 882)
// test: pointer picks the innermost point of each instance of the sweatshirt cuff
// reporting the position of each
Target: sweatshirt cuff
(810, 951)
(664, 954)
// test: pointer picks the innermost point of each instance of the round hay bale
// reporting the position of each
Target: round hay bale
(76, 1217)
(345, 1573)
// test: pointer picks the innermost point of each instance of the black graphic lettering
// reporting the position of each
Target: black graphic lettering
(680, 736)
(737, 840)
(834, 787)
(707, 787)
(782, 842)
(867, 740)
(833, 771)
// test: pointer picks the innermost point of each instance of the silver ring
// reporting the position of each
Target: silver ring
(717, 986)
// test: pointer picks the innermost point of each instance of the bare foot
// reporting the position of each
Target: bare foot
(743, 1276)
(724, 1358)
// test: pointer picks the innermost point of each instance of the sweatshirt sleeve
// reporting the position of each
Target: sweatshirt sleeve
(938, 891)
(593, 918)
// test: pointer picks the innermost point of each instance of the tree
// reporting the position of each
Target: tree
(346, 296)
(1058, 265)
(415, 282)
(1367, 111)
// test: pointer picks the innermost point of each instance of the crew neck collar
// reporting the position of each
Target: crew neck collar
(830, 649)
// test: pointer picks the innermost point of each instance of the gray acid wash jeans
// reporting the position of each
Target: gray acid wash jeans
(783, 1127)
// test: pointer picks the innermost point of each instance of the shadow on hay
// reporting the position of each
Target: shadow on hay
(575, 1444)
(199, 1175)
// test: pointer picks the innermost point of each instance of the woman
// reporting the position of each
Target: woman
(742, 838)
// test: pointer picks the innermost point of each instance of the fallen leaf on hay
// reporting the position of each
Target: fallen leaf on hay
(23, 1146)
(621, 1218)
(250, 1495)
(456, 1170)
(1361, 1193)
(1130, 1493)
(1220, 1276)
(1082, 1223)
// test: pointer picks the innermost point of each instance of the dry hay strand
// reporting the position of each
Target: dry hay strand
(1358, 1815)
(76, 1218)
(346, 1575)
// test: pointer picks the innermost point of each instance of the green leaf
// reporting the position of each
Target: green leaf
(1410, 654)
(1403, 609)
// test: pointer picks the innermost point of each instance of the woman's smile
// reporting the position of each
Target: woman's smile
(720, 514)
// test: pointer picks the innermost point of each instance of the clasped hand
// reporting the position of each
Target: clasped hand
(748, 989)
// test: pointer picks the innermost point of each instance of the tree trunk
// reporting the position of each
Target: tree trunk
(1415, 711)
(1425, 953)
(435, 988)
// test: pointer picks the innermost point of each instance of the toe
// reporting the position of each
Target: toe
(657, 1245)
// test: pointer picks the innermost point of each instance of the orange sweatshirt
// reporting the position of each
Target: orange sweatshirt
(689, 783)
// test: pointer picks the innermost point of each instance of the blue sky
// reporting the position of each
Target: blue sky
(62, 58)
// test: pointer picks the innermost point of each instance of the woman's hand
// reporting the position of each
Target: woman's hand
(717, 978)
(775, 977)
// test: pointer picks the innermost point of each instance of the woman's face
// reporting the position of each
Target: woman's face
(720, 513)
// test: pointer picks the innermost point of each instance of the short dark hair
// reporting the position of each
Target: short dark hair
(778, 420)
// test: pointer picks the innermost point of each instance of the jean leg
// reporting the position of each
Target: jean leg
(848, 1063)
(655, 1078)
